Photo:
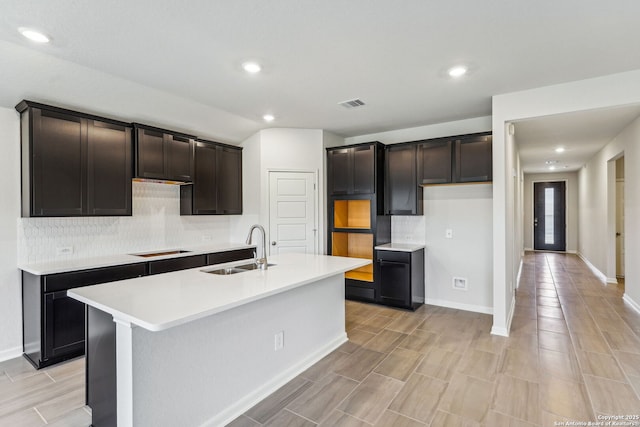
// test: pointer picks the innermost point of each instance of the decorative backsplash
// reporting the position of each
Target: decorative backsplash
(155, 224)
(408, 229)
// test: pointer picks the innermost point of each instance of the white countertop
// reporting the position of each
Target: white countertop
(67, 265)
(166, 300)
(400, 247)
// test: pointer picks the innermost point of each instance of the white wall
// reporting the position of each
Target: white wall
(469, 253)
(10, 284)
(602, 92)
(279, 149)
(572, 210)
(597, 219)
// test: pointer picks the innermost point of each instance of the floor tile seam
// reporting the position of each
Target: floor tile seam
(40, 415)
(635, 392)
(438, 408)
(359, 419)
(415, 419)
(302, 416)
(294, 391)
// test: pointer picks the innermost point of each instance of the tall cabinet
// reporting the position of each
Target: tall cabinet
(355, 182)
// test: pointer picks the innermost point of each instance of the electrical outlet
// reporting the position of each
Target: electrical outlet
(279, 340)
(448, 233)
(64, 250)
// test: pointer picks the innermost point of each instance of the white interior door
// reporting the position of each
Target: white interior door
(293, 222)
(620, 228)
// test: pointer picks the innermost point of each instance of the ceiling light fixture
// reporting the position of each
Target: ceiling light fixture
(33, 35)
(252, 67)
(552, 168)
(560, 150)
(268, 118)
(551, 162)
(457, 71)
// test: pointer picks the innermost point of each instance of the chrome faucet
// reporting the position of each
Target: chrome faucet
(260, 262)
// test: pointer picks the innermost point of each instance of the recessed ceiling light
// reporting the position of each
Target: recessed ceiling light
(252, 67)
(552, 168)
(551, 162)
(268, 118)
(560, 150)
(33, 35)
(457, 71)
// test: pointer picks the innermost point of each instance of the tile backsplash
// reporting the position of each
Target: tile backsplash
(408, 229)
(155, 224)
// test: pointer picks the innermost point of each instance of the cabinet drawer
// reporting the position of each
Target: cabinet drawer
(64, 281)
(394, 256)
(175, 264)
(230, 256)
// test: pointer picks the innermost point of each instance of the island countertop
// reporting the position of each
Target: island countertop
(163, 301)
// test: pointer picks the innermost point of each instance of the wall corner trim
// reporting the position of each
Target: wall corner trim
(626, 298)
(10, 353)
(593, 268)
(504, 332)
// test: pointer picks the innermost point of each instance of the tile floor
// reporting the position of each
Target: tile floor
(573, 354)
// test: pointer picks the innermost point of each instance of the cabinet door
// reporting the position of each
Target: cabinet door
(229, 180)
(204, 182)
(364, 172)
(109, 169)
(474, 159)
(150, 147)
(180, 157)
(402, 194)
(58, 164)
(395, 283)
(176, 264)
(435, 162)
(64, 325)
(338, 170)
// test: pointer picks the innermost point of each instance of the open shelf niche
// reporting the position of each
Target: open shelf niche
(352, 214)
(356, 245)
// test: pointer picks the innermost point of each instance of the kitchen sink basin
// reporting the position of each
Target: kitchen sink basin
(160, 253)
(235, 269)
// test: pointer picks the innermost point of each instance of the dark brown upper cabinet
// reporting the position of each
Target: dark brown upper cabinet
(217, 182)
(163, 154)
(474, 159)
(403, 195)
(74, 164)
(355, 169)
(459, 159)
(434, 162)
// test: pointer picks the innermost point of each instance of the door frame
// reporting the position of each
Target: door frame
(566, 213)
(317, 213)
(610, 273)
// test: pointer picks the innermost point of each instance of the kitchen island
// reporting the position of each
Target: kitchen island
(193, 348)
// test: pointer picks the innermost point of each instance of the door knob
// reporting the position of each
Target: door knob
(273, 243)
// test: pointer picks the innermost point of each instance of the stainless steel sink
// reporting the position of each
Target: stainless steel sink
(234, 269)
(160, 253)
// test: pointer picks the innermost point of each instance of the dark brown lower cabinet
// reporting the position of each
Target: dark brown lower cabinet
(53, 323)
(401, 278)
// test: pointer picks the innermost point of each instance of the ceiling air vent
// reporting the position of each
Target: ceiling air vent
(352, 103)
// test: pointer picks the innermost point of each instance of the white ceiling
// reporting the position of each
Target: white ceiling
(582, 134)
(392, 55)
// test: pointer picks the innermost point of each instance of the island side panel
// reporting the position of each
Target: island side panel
(211, 370)
(101, 367)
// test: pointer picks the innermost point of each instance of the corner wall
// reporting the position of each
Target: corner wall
(597, 201)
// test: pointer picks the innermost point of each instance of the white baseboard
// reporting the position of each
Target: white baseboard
(572, 251)
(10, 353)
(593, 268)
(240, 407)
(528, 249)
(519, 274)
(504, 331)
(612, 280)
(631, 302)
(459, 306)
